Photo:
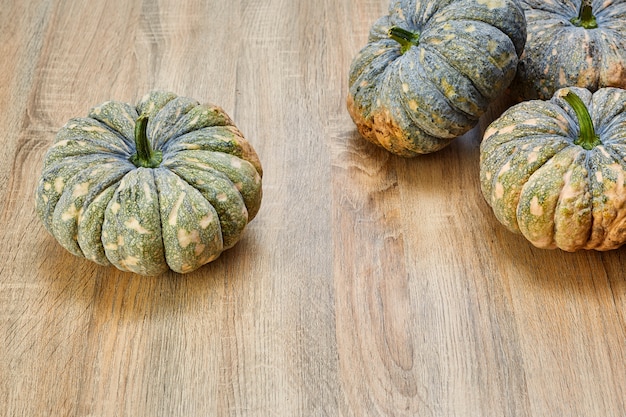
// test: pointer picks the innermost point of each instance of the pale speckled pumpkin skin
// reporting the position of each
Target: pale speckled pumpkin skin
(556, 193)
(559, 54)
(418, 101)
(179, 215)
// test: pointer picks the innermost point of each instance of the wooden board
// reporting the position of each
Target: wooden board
(368, 285)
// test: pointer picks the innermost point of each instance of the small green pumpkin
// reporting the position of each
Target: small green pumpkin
(555, 170)
(431, 68)
(167, 184)
(578, 43)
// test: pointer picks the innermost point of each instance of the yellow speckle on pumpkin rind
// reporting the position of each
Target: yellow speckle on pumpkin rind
(131, 218)
(186, 238)
(498, 190)
(536, 209)
(129, 261)
(70, 213)
(115, 207)
(111, 246)
(173, 217)
(134, 225)
(206, 221)
(59, 184)
(492, 4)
(81, 190)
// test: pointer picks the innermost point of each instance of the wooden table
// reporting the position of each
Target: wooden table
(368, 285)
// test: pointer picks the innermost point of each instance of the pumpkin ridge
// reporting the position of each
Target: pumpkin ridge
(224, 139)
(56, 156)
(152, 103)
(370, 78)
(617, 150)
(544, 53)
(107, 114)
(233, 215)
(561, 205)
(561, 54)
(571, 134)
(371, 52)
(461, 75)
(203, 116)
(216, 162)
(118, 134)
(597, 161)
(512, 25)
(612, 116)
(186, 250)
(516, 153)
(494, 176)
(454, 61)
(162, 125)
(505, 190)
(539, 227)
(67, 234)
(89, 229)
(213, 138)
(420, 117)
(86, 126)
(493, 161)
(454, 66)
(392, 125)
(135, 243)
(616, 155)
(48, 194)
(515, 123)
(174, 163)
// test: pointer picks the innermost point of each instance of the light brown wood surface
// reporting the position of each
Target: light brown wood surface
(368, 285)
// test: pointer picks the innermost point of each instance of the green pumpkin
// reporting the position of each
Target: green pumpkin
(555, 170)
(578, 43)
(431, 68)
(167, 184)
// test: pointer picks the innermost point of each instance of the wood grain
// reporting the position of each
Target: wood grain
(368, 285)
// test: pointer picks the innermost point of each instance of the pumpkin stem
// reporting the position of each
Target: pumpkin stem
(146, 156)
(587, 137)
(404, 37)
(585, 17)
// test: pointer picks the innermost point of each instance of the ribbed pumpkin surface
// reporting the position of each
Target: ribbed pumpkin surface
(415, 98)
(178, 215)
(560, 54)
(541, 183)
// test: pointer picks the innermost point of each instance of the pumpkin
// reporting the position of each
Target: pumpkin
(167, 184)
(572, 43)
(431, 68)
(555, 170)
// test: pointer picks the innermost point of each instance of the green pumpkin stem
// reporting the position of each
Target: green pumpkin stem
(585, 17)
(404, 37)
(587, 137)
(146, 156)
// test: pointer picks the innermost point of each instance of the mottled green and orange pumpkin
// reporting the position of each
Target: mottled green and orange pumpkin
(555, 170)
(168, 183)
(575, 43)
(431, 68)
